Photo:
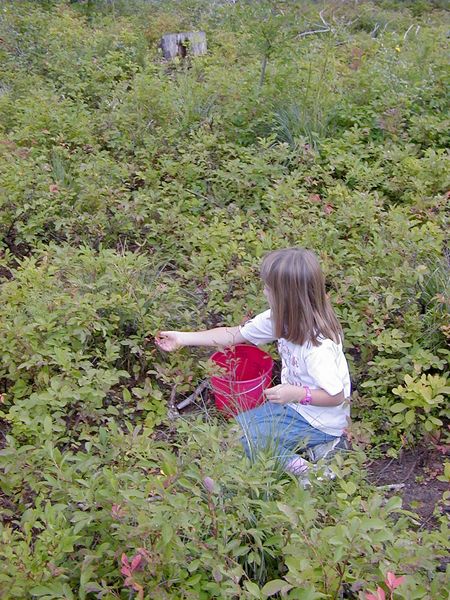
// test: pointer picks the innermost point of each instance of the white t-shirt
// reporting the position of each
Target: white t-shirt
(323, 367)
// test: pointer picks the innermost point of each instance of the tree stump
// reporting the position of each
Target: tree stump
(191, 43)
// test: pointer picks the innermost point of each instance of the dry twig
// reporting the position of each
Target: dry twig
(198, 390)
(407, 31)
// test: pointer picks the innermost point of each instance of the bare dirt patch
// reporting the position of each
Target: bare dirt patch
(415, 473)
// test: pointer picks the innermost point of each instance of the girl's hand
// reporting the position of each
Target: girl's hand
(168, 340)
(284, 393)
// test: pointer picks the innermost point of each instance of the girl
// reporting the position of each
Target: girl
(311, 406)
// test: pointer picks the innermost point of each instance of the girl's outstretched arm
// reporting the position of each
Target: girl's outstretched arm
(220, 336)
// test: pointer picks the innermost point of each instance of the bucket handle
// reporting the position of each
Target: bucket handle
(233, 395)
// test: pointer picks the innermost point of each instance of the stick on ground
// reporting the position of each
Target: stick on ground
(198, 390)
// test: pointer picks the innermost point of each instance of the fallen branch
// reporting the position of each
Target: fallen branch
(326, 28)
(322, 19)
(374, 30)
(172, 411)
(312, 32)
(198, 390)
(407, 31)
(391, 486)
(425, 521)
(173, 393)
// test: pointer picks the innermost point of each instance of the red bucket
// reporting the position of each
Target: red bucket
(248, 371)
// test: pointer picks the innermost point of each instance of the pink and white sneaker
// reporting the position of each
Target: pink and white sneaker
(298, 466)
(302, 469)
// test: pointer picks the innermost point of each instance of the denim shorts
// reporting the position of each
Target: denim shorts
(278, 429)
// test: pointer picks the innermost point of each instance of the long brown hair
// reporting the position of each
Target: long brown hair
(301, 310)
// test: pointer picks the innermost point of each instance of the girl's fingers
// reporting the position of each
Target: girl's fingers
(278, 394)
(162, 336)
(271, 391)
(162, 341)
(166, 340)
(271, 394)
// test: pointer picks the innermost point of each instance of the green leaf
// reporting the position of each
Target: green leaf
(275, 586)
(307, 594)
(169, 464)
(41, 590)
(398, 407)
(446, 475)
(68, 542)
(166, 533)
(82, 523)
(289, 512)
(253, 589)
(398, 418)
(192, 581)
(241, 551)
(47, 425)
(193, 566)
(349, 487)
(410, 417)
(393, 504)
(428, 425)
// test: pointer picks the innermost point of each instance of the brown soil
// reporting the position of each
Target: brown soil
(415, 473)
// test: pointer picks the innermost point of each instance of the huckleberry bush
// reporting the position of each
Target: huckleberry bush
(136, 195)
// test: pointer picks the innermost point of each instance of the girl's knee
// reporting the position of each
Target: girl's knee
(248, 418)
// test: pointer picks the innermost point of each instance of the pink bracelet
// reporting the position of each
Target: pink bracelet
(307, 399)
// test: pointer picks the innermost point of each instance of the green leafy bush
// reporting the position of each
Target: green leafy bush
(422, 402)
(137, 194)
(74, 324)
(204, 523)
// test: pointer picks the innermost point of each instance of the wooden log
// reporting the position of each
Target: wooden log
(191, 43)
